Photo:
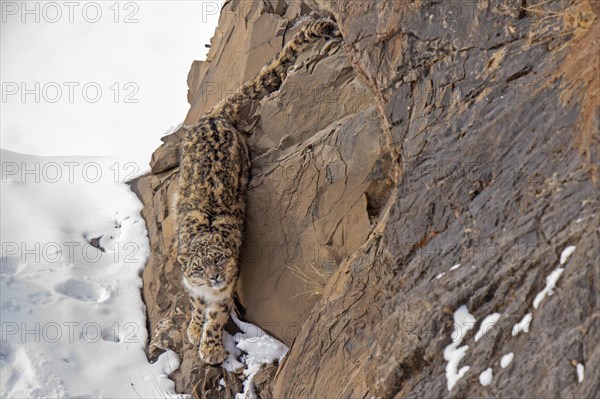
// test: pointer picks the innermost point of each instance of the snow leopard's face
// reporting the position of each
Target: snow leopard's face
(209, 263)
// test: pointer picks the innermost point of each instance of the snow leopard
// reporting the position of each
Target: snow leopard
(211, 199)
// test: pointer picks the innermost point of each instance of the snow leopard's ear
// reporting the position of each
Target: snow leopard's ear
(182, 260)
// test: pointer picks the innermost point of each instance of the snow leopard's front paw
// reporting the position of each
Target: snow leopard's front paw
(194, 332)
(212, 354)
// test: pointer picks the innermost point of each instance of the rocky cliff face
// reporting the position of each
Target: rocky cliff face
(437, 135)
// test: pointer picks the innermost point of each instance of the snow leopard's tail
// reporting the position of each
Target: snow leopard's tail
(272, 75)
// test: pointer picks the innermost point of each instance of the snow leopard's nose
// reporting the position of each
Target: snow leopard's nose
(217, 281)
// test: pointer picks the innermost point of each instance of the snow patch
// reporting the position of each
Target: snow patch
(506, 360)
(566, 253)
(74, 247)
(486, 325)
(258, 349)
(523, 325)
(486, 377)
(580, 372)
(463, 322)
(449, 270)
(82, 290)
(553, 277)
(549, 288)
(231, 364)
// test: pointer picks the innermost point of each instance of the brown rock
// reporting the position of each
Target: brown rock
(197, 72)
(164, 158)
(298, 221)
(141, 187)
(329, 88)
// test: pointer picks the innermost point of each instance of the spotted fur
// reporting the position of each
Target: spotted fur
(213, 178)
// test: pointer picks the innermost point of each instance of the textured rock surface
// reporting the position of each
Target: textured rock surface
(440, 134)
(494, 112)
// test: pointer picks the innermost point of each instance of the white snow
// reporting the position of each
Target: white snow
(566, 253)
(506, 360)
(456, 266)
(232, 364)
(463, 322)
(73, 320)
(581, 219)
(580, 372)
(113, 53)
(549, 288)
(486, 325)
(553, 277)
(523, 325)
(258, 349)
(486, 377)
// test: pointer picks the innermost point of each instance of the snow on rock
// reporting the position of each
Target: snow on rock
(523, 325)
(73, 247)
(463, 322)
(506, 360)
(486, 377)
(231, 364)
(580, 372)
(553, 277)
(549, 288)
(487, 324)
(444, 273)
(258, 349)
(566, 253)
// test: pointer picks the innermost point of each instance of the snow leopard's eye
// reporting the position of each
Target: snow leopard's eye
(198, 273)
(196, 264)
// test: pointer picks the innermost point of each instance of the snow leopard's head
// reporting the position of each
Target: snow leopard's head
(208, 262)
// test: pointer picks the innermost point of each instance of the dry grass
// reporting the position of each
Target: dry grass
(577, 17)
(314, 279)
